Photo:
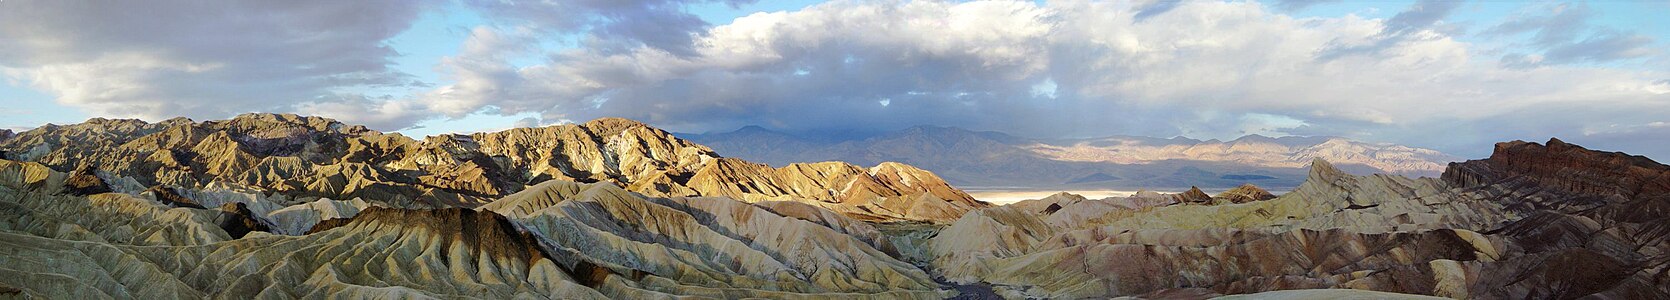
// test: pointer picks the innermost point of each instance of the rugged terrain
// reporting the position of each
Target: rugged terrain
(1536, 221)
(311, 158)
(993, 159)
(282, 206)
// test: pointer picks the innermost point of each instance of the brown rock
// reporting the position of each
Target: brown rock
(1244, 193)
(236, 219)
(169, 196)
(1193, 196)
(84, 181)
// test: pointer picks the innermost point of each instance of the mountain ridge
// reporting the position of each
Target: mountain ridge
(1549, 220)
(988, 158)
(303, 156)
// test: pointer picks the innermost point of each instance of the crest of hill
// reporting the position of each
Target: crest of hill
(313, 157)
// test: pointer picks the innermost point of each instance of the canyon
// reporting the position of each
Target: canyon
(284, 206)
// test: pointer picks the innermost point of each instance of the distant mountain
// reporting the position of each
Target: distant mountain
(978, 159)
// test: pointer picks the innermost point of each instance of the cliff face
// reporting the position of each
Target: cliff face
(308, 158)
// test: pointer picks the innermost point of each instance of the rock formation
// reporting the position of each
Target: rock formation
(312, 158)
(1532, 221)
(1193, 196)
(1243, 194)
(280, 206)
(712, 247)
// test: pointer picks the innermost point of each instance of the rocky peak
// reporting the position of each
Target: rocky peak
(270, 125)
(1193, 196)
(613, 126)
(320, 157)
(1323, 171)
(176, 121)
(1245, 193)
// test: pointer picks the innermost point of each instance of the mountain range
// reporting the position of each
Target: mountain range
(283, 206)
(993, 159)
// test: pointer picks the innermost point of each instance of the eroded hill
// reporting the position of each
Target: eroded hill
(278, 207)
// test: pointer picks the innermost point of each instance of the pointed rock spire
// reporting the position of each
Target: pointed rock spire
(1320, 169)
(1194, 195)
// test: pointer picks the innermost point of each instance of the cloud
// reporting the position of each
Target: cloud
(160, 59)
(1204, 69)
(613, 24)
(1156, 7)
(210, 60)
(1565, 35)
(384, 112)
(1411, 25)
(1298, 5)
(1057, 69)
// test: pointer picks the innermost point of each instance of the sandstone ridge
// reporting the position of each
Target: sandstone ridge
(310, 158)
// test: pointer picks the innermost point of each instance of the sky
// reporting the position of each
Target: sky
(1452, 76)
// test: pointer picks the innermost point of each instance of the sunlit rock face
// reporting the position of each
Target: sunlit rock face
(311, 158)
(1532, 221)
(561, 239)
(713, 247)
(110, 245)
(280, 206)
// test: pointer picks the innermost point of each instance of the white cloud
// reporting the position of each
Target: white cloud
(1199, 68)
(160, 59)
(1065, 68)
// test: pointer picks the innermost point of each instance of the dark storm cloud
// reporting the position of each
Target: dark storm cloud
(615, 24)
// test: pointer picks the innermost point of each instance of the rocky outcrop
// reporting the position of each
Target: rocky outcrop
(236, 219)
(713, 247)
(387, 254)
(312, 158)
(84, 182)
(889, 191)
(112, 245)
(244, 209)
(1532, 221)
(1193, 196)
(170, 197)
(1243, 194)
